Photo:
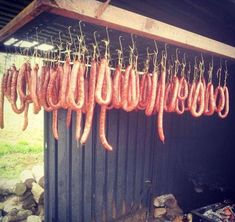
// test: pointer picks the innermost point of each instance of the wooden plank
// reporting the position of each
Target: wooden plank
(122, 156)
(115, 18)
(87, 149)
(131, 153)
(50, 164)
(112, 122)
(63, 169)
(76, 183)
(139, 158)
(100, 175)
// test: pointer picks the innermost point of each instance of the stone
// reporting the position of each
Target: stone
(34, 218)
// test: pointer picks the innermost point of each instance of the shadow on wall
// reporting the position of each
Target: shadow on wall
(197, 162)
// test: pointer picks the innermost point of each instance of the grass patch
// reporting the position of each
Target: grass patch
(23, 148)
(19, 149)
(11, 165)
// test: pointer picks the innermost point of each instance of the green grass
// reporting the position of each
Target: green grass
(19, 149)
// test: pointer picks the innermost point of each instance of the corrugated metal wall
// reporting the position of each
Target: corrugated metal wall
(85, 183)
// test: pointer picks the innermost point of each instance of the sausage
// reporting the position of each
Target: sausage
(180, 106)
(65, 76)
(14, 94)
(91, 103)
(220, 98)
(117, 88)
(156, 108)
(77, 80)
(21, 81)
(144, 91)
(125, 87)
(135, 90)
(86, 95)
(198, 96)
(132, 97)
(1, 103)
(174, 94)
(25, 125)
(167, 100)
(55, 123)
(33, 89)
(8, 88)
(73, 84)
(68, 117)
(190, 96)
(78, 124)
(150, 106)
(103, 73)
(226, 110)
(209, 100)
(43, 91)
(102, 127)
(51, 92)
(183, 89)
(161, 104)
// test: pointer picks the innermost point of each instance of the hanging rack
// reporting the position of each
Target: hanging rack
(115, 18)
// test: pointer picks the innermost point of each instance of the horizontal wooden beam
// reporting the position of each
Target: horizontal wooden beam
(123, 20)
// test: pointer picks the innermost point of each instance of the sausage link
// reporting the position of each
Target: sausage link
(161, 105)
(78, 124)
(103, 75)
(209, 100)
(91, 103)
(68, 117)
(117, 88)
(220, 98)
(226, 110)
(51, 89)
(55, 123)
(102, 127)
(183, 89)
(198, 96)
(180, 106)
(150, 106)
(14, 95)
(25, 125)
(174, 94)
(33, 89)
(65, 77)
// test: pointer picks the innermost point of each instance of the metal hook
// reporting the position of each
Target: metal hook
(189, 71)
(120, 52)
(107, 33)
(96, 43)
(156, 47)
(120, 43)
(80, 28)
(107, 42)
(70, 35)
(202, 58)
(177, 55)
(210, 70)
(225, 73)
(176, 61)
(164, 56)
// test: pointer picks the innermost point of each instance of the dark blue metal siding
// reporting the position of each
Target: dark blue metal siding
(87, 183)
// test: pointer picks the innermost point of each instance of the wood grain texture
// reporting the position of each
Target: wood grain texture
(115, 18)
